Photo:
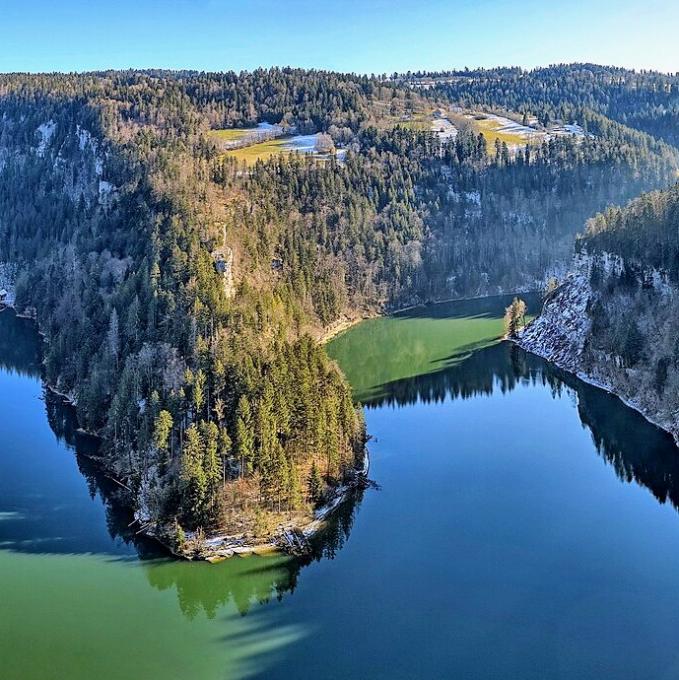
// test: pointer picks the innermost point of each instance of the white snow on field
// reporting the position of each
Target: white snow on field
(306, 144)
(267, 127)
(444, 129)
(301, 143)
(569, 130)
(507, 125)
(45, 132)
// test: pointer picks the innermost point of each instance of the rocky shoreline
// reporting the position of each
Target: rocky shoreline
(290, 539)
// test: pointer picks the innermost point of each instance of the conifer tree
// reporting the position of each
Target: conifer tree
(245, 440)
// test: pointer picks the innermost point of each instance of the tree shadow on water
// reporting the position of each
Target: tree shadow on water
(492, 307)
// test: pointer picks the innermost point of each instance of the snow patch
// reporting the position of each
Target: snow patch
(45, 133)
(8, 276)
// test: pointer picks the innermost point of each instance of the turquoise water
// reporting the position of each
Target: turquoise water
(524, 526)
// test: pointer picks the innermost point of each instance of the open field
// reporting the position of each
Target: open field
(443, 128)
(506, 130)
(231, 134)
(259, 152)
(263, 151)
(492, 126)
(229, 138)
(420, 122)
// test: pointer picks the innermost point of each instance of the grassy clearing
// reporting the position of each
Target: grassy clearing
(389, 114)
(259, 152)
(266, 150)
(231, 134)
(492, 130)
(420, 122)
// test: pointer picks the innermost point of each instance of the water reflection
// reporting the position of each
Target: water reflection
(471, 308)
(204, 588)
(636, 450)
(19, 346)
(498, 367)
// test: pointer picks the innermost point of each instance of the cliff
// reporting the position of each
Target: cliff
(615, 325)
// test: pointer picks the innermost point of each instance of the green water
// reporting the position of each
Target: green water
(81, 596)
(378, 353)
(524, 526)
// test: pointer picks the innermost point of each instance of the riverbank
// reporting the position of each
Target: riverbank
(292, 537)
(341, 326)
(289, 538)
(346, 323)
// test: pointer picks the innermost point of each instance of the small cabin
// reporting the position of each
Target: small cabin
(276, 264)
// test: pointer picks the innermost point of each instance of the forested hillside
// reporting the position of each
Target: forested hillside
(108, 205)
(616, 318)
(178, 289)
(644, 233)
(645, 100)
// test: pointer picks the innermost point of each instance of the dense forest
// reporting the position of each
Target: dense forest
(644, 100)
(634, 254)
(616, 317)
(645, 233)
(218, 408)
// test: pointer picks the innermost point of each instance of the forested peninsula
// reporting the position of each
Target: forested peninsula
(182, 280)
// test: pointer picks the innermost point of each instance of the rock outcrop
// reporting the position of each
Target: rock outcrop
(616, 330)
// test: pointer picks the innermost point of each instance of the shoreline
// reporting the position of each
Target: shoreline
(346, 324)
(288, 539)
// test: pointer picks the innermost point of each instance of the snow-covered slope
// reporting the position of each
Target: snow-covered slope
(560, 332)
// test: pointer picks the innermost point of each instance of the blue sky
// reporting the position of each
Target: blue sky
(365, 36)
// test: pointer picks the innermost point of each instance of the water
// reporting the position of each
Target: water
(525, 526)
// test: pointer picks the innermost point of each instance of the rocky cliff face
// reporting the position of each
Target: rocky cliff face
(617, 326)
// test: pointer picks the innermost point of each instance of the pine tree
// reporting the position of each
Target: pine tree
(294, 487)
(192, 478)
(225, 446)
(113, 337)
(211, 463)
(162, 429)
(315, 484)
(245, 439)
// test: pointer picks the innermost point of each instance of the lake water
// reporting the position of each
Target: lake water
(525, 526)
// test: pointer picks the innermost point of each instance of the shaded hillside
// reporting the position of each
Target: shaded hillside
(615, 319)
